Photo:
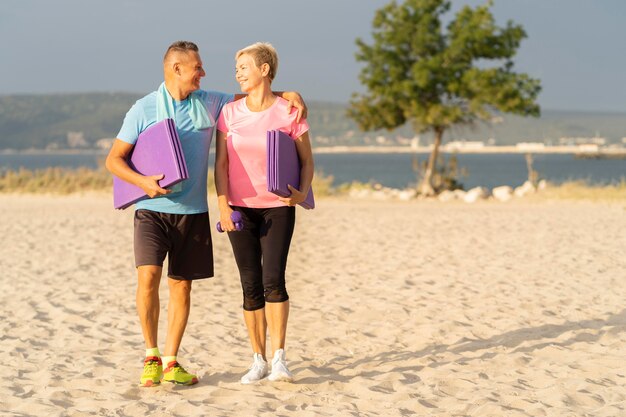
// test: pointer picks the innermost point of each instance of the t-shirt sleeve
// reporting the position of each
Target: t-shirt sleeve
(134, 123)
(221, 122)
(298, 129)
(225, 99)
(216, 102)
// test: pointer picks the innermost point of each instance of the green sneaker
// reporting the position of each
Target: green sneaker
(176, 374)
(152, 372)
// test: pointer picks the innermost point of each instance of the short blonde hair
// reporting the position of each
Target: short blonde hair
(262, 53)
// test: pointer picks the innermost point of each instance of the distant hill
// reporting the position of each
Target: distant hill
(48, 121)
(66, 121)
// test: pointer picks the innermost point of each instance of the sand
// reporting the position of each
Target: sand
(397, 309)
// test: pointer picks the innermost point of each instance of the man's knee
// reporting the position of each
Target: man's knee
(180, 286)
(149, 277)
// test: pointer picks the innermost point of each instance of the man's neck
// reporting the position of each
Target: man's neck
(176, 93)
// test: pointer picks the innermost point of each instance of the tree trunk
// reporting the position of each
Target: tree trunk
(532, 174)
(426, 187)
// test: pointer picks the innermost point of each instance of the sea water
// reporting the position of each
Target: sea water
(396, 169)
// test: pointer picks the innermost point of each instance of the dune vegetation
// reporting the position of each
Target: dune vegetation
(67, 181)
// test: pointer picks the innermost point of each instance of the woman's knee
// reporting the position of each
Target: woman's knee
(253, 303)
(276, 295)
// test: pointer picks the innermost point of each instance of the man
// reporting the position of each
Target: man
(172, 222)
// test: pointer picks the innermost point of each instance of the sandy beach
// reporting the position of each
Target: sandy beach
(397, 309)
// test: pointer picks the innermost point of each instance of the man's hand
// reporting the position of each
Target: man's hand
(150, 185)
(295, 100)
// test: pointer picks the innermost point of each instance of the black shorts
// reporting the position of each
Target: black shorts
(185, 238)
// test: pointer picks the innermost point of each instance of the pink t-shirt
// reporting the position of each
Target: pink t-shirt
(246, 142)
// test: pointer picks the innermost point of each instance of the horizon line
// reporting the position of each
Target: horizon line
(314, 100)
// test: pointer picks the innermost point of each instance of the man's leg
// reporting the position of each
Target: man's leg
(190, 258)
(148, 307)
(177, 314)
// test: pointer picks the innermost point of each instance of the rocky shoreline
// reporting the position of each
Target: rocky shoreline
(501, 193)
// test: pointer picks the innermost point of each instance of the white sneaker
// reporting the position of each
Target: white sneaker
(258, 370)
(279, 368)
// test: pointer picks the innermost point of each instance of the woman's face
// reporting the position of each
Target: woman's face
(248, 75)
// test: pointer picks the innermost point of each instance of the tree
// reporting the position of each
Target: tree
(417, 72)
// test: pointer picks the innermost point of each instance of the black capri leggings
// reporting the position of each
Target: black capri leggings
(261, 250)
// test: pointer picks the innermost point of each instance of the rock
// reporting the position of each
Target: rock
(502, 193)
(525, 189)
(475, 194)
(446, 195)
(359, 193)
(406, 195)
(381, 194)
(460, 194)
(543, 184)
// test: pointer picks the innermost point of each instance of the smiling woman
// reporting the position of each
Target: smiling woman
(262, 59)
(261, 248)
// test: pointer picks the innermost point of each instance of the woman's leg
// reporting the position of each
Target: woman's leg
(257, 330)
(247, 251)
(275, 239)
(277, 315)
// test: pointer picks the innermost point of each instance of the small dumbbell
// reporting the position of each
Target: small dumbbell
(235, 216)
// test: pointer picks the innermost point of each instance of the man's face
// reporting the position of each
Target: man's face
(190, 71)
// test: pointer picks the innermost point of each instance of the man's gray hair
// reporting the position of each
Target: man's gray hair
(180, 46)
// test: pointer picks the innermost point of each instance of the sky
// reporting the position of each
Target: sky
(575, 47)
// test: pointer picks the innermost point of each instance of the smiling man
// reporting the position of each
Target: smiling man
(173, 223)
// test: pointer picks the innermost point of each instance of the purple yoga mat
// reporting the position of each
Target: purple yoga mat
(157, 151)
(283, 166)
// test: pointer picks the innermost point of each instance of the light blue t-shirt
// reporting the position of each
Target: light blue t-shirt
(190, 195)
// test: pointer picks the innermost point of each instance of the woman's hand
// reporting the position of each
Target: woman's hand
(226, 222)
(296, 197)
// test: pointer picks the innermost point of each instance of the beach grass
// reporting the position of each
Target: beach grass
(55, 180)
(582, 190)
(68, 181)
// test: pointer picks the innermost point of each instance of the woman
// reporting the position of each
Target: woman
(261, 248)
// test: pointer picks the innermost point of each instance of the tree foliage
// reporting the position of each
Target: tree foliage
(433, 77)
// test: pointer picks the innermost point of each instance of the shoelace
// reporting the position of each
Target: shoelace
(151, 361)
(257, 366)
(176, 368)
